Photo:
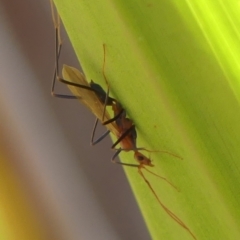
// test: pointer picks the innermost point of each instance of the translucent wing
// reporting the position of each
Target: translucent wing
(87, 97)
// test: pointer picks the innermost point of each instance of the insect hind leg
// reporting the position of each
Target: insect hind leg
(94, 142)
(58, 48)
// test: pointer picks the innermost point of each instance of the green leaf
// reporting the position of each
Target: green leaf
(174, 66)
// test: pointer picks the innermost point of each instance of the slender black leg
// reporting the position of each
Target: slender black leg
(123, 136)
(58, 48)
(93, 142)
(118, 162)
(114, 118)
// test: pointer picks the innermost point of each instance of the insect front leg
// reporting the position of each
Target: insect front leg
(113, 159)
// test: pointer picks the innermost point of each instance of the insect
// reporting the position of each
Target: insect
(96, 99)
(123, 128)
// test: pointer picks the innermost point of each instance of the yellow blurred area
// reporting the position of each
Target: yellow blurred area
(18, 218)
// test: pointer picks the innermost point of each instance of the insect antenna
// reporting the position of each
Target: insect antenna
(163, 178)
(170, 213)
(162, 151)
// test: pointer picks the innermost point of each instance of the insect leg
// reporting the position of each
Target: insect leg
(114, 118)
(127, 132)
(58, 48)
(118, 162)
(93, 142)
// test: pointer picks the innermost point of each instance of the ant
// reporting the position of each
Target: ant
(123, 128)
(96, 99)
